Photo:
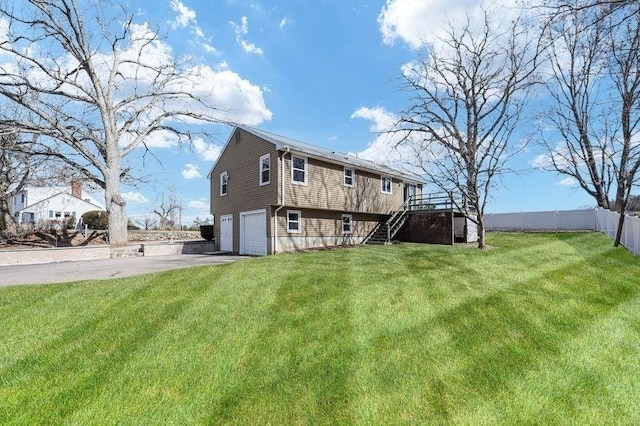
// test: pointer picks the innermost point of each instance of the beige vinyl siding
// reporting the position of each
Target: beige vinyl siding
(241, 160)
(322, 223)
(325, 189)
(323, 228)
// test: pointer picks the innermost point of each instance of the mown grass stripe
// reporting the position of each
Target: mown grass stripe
(540, 328)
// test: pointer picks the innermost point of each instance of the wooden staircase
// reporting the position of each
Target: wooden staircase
(384, 232)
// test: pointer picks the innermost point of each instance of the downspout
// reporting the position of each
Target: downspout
(275, 227)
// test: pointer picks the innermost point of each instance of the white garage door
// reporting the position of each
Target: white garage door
(253, 232)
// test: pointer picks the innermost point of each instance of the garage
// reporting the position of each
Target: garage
(253, 232)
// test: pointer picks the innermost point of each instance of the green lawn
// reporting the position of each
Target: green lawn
(542, 328)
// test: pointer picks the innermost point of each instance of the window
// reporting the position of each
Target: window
(386, 184)
(50, 214)
(293, 221)
(346, 223)
(348, 177)
(22, 198)
(265, 169)
(299, 170)
(224, 179)
(58, 214)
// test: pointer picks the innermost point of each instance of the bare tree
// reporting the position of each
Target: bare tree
(97, 87)
(624, 70)
(575, 55)
(469, 95)
(147, 221)
(598, 10)
(595, 57)
(168, 212)
(15, 169)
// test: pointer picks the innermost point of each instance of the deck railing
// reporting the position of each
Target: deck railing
(436, 201)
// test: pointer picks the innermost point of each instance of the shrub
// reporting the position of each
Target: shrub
(207, 232)
(71, 222)
(95, 219)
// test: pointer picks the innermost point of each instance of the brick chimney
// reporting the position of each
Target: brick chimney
(76, 188)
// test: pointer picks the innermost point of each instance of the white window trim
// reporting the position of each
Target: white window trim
(382, 179)
(260, 170)
(350, 231)
(294, 231)
(344, 177)
(224, 174)
(306, 170)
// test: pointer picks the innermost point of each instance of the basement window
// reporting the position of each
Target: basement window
(293, 221)
(346, 224)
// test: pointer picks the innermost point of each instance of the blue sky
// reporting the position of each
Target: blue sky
(326, 72)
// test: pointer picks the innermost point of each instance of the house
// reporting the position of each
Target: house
(35, 204)
(271, 194)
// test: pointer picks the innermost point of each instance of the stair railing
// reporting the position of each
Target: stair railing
(397, 218)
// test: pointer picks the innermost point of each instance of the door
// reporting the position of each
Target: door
(226, 232)
(410, 192)
(253, 232)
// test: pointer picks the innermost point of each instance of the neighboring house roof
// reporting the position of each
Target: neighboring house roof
(37, 194)
(283, 142)
(77, 200)
(64, 194)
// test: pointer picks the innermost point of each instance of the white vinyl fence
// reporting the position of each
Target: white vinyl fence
(608, 224)
(601, 220)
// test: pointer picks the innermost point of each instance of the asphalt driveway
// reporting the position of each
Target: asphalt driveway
(62, 272)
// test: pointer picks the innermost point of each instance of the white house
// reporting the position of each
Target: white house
(34, 204)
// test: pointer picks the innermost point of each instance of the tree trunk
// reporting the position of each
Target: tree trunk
(116, 212)
(481, 233)
(8, 222)
(622, 211)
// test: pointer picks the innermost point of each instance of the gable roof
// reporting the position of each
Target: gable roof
(62, 194)
(282, 143)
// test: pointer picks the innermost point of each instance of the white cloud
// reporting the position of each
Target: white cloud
(206, 151)
(185, 15)
(242, 30)
(420, 22)
(219, 94)
(568, 181)
(251, 48)
(236, 99)
(397, 149)
(385, 147)
(542, 161)
(200, 204)
(134, 197)
(191, 171)
(381, 119)
(283, 23)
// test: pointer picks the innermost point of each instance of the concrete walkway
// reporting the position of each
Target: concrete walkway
(63, 272)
